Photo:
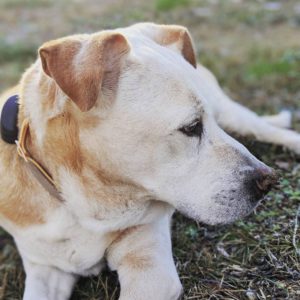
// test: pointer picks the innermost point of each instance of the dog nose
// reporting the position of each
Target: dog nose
(260, 182)
(265, 179)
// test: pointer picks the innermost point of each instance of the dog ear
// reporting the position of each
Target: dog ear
(80, 64)
(174, 36)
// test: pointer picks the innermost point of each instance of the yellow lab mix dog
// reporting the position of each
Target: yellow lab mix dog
(118, 129)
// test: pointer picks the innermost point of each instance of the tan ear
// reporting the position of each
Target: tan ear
(169, 35)
(79, 64)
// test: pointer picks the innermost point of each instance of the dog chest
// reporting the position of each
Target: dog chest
(76, 243)
(66, 245)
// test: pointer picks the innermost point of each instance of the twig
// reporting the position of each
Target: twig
(295, 231)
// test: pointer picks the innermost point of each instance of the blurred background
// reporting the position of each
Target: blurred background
(253, 47)
(246, 43)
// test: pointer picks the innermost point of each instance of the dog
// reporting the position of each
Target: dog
(116, 130)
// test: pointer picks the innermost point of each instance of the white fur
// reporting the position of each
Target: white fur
(283, 119)
(47, 283)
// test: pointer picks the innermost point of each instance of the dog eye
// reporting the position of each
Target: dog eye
(195, 129)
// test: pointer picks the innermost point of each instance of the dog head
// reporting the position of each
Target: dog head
(137, 107)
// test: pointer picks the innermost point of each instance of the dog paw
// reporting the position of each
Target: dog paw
(285, 118)
(294, 144)
(281, 120)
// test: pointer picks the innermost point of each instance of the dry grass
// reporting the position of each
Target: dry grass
(255, 52)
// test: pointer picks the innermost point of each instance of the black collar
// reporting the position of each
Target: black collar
(9, 120)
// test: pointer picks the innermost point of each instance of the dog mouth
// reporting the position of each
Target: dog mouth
(225, 209)
(217, 215)
(237, 206)
(231, 214)
(231, 202)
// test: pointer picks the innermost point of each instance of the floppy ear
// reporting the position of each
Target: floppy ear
(80, 64)
(174, 36)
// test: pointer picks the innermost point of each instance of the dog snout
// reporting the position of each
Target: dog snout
(261, 181)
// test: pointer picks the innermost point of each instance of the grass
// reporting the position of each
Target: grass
(255, 54)
(286, 64)
(252, 257)
(166, 5)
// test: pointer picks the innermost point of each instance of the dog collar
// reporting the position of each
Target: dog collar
(9, 116)
(9, 133)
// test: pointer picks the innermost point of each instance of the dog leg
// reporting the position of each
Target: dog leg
(234, 117)
(144, 262)
(282, 120)
(47, 283)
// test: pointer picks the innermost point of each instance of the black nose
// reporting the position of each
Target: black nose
(262, 181)
(266, 179)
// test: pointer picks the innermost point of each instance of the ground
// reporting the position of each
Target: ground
(254, 49)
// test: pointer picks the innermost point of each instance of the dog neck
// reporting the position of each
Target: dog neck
(11, 134)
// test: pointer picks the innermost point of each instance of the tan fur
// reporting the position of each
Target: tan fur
(174, 33)
(137, 260)
(63, 146)
(119, 236)
(188, 49)
(102, 184)
(16, 203)
(81, 81)
(17, 187)
(60, 147)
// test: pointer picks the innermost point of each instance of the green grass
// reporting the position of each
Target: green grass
(166, 5)
(254, 258)
(287, 64)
